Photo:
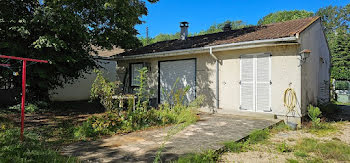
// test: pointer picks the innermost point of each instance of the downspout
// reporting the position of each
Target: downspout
(217, 76)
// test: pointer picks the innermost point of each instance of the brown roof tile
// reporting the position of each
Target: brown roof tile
(263, 32)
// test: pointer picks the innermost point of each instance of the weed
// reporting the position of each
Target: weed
(235, 147)
(280, 127)
(323, 129)
(258, 136)
(5, 124)
(103, 90)
(29, 108)
(292, 161)
(209, 156)
(300, 154)
(283, 147)
(314, 113)
(326, 150)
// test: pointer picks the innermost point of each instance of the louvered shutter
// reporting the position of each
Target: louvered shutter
(247, 82)
(170, 71)
(263, 83)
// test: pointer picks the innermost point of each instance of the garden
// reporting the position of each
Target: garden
(52, 130)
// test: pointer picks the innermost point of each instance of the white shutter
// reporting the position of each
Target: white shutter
(263, 82)
(255, 82)
(170, 71)
(247, 82)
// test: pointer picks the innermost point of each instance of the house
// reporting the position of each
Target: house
(80, 89)
(243, 71)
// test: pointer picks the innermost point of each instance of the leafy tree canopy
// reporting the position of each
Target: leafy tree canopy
(64, 32)
(212, 29)
(281, 16)
(340, 50)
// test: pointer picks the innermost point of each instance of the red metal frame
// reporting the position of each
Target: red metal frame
(23, 83)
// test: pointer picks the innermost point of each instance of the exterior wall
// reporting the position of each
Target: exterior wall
(284, 69)
(285, 73)
(80, 89)
(316, 69)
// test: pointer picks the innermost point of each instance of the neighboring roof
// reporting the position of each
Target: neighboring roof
(263, 32)
(107, 53)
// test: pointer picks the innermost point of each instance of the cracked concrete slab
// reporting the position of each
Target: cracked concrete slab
(208, 133)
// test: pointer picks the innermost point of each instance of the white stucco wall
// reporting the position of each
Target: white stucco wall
(316, 69)
(80, 89)
(284, 69)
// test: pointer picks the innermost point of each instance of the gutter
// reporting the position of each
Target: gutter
(232, 46)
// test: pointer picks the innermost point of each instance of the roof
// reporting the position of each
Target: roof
(262, 32)
(107, 53)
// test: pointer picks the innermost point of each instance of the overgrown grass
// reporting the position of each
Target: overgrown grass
(5, 124)
(122, 122)
(334, 150)
(208, 156)
(257, 136)
(280, 127)
(283, 147)
(323, 129)
(31, 149)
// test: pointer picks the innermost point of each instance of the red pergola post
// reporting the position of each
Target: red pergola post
(23, 96)
(23, 84)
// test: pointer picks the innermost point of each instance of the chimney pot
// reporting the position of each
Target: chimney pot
(184, 30)
(227, 27)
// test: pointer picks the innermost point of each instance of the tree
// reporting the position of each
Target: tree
(64, 33)
(281, 16)
(212, 29)
(336, 21)
(340, 56)
(219, 27)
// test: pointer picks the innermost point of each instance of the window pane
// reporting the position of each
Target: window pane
(135, 74)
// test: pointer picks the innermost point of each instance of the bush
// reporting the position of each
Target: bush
(314, 113)
(29, 108)
(329, 108)
(30, 150)
(112, 122)
(342, 85)
(103, 90)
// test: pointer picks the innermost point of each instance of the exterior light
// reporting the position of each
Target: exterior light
(304, 54)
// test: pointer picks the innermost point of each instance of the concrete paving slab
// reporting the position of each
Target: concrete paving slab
(208, 133)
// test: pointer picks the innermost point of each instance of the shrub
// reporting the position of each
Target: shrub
(30, 150)
(314, 113)
(29, 108)
(103, 90)
(329, 108)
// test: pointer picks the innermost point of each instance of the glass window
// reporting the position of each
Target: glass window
(135, 67)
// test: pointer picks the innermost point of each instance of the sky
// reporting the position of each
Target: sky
(165, 15)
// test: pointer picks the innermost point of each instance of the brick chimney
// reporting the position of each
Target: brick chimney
(184, 30)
